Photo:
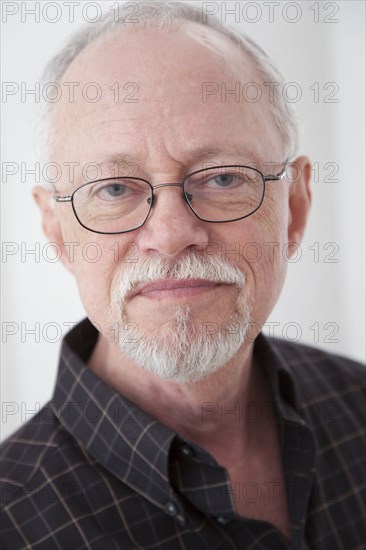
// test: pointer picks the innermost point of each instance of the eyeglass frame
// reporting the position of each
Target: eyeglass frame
(70, 198)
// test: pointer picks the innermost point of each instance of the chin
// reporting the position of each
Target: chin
(186, 351)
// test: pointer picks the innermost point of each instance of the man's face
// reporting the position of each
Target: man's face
(170, 130)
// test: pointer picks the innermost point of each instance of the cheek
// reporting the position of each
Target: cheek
(261, 242)
(274, 246)
(93, 270)
(94, 260)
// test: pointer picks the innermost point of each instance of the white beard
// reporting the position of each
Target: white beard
(180, 350)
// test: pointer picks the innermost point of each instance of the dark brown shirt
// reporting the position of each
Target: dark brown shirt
(92, 470)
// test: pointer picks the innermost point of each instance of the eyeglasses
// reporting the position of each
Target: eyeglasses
(215, 195)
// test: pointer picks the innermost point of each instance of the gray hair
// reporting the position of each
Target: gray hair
(165, 15)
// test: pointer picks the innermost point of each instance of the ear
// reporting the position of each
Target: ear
(50, 221)
(299, 174)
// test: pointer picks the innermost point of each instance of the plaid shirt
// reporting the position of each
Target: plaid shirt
(92, 470)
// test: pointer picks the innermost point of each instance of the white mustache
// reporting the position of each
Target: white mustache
(194, 266)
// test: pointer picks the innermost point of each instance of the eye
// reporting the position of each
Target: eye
(112, 191)
(224, 180)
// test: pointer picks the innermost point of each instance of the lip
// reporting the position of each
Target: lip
(173, 288)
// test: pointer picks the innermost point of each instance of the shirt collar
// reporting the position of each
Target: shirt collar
(273, 360)
(116, 433)
(120, 436)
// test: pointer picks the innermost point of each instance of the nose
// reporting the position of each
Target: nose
(171, 228)
(153, 201)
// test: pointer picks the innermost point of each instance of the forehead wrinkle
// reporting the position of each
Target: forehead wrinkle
(210, 153)
(187, 157)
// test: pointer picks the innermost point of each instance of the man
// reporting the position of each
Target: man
(148, 441)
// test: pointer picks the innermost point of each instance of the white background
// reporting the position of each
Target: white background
(325, 45)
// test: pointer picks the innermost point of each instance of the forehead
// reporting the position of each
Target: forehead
(142, 89)
(139, 49)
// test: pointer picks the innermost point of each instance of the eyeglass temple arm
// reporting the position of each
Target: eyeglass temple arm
(57, 198)
(277, 177)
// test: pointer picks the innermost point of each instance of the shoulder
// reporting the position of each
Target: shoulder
(309, 364)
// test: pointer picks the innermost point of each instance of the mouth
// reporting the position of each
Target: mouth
(173, 288)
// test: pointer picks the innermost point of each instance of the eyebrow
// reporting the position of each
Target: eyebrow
(112, 160)
(203, 153)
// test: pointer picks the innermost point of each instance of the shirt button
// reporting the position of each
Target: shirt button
(171, 509)
(222, 520)
(186, 451)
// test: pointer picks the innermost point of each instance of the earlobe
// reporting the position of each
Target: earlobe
(50, 221)
(299, 200)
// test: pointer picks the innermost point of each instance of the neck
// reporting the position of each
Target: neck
(212, 413)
